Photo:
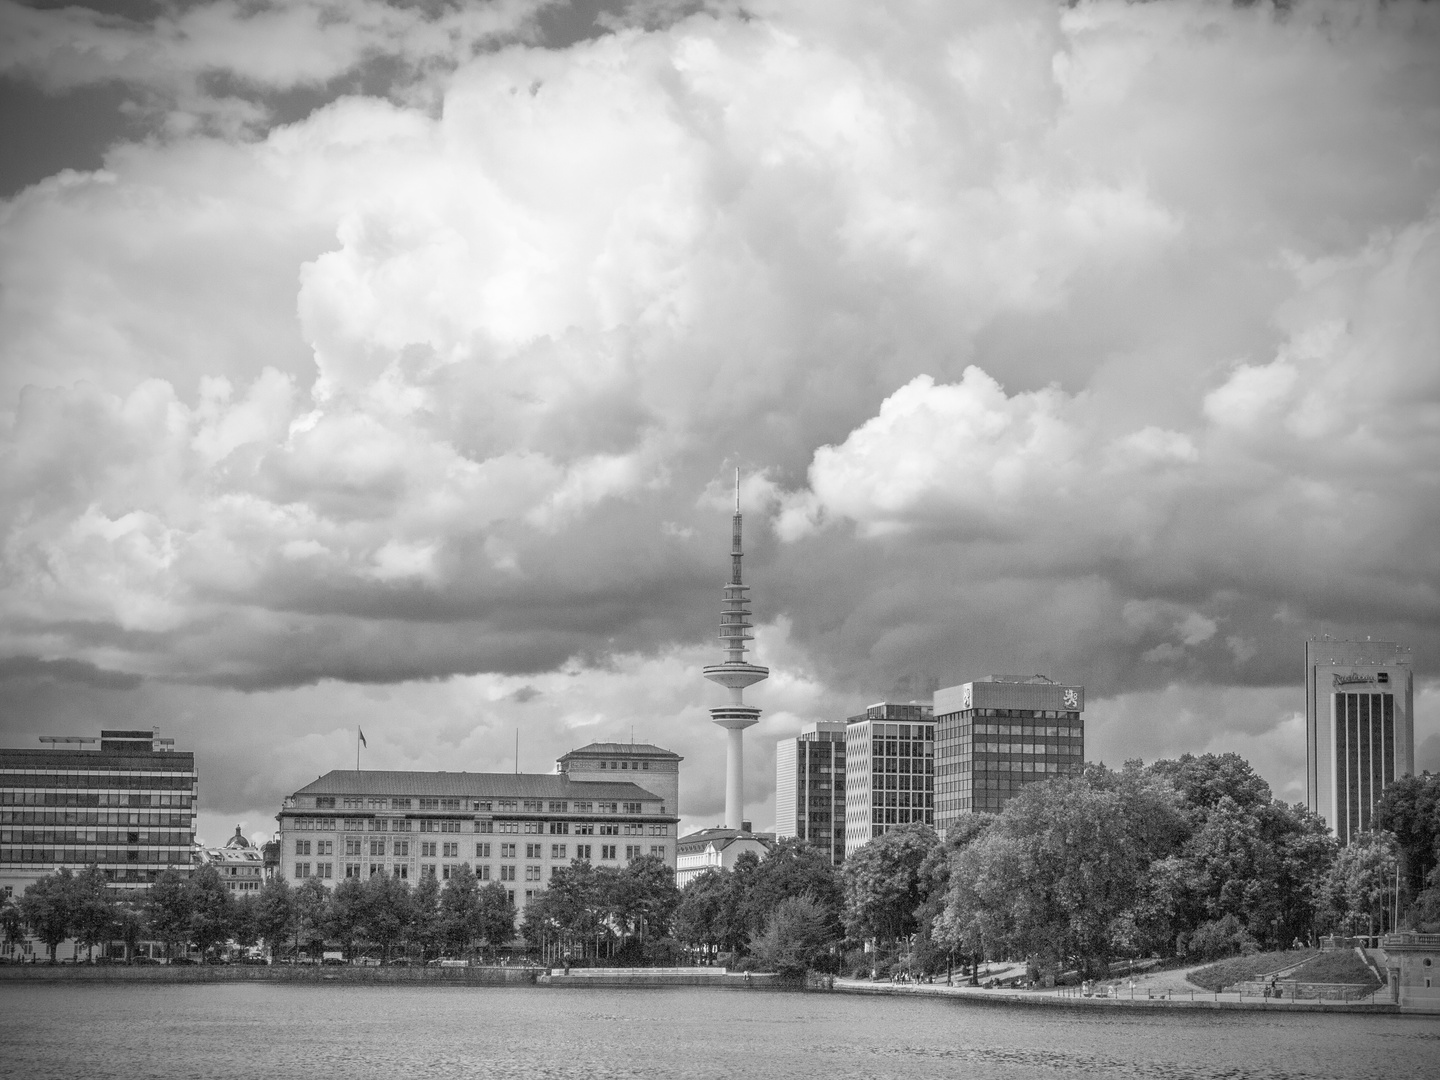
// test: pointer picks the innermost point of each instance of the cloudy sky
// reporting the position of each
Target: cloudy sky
(386, 365)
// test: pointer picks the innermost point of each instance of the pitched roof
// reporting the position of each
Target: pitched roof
(472, 785)
(722, 838)
(622, 749)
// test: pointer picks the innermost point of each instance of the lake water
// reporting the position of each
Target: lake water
(265, 1030)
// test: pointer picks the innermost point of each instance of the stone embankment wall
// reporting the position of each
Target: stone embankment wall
(303, 973)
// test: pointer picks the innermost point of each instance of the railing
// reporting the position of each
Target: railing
(1410, 938)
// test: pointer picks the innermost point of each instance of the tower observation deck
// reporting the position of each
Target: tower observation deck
(735, 674)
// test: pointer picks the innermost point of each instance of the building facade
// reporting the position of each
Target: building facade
(515, 828)
(1359, 728)
(889, 770)
(717, 849)
(997, 734)
(810, 787)
(240, 864)
(125, 802)
(655, 769)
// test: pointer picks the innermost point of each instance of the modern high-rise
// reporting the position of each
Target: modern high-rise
(735, 674)
(889, 771)
(996, 734)
(810, 787)
(124, 802)
(1359, 728)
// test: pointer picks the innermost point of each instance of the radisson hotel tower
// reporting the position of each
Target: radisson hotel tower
(1359, 728)
(735, 674)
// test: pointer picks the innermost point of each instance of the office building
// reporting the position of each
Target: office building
(515, 828)
(1359, 728)
(810, 787)
(653, 768)
(889, 771)
(997, 734)
(124, 801)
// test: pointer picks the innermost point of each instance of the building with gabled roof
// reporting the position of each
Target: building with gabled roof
(717, 849)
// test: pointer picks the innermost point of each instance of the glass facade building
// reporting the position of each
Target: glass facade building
(810, 787)
(889, 771)
(1360, 728)
(127, 805)
(995, 735)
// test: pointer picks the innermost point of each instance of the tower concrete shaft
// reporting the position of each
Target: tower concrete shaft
(735, 674)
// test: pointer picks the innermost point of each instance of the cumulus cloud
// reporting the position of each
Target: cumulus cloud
(1095, 340)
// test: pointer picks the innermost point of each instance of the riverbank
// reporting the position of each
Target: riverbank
(1071, 998)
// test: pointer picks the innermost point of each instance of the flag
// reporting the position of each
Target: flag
(362, 738)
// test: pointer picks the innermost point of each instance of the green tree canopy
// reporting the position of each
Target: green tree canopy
(212, 909)
(883, 886)
(169, 904)
(48, 906)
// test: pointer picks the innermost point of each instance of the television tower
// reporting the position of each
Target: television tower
(735, 674)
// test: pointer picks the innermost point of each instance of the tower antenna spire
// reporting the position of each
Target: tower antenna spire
(735, 674)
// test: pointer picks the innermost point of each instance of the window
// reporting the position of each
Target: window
(482, 873)
(633, 808)
(532, 873)
(532, 851)
(482, 851)
(607, 851)
(507, 804)
(400, 804)
(427, 870)
(353, 802)
(324, 870)
(402, 849)
(400, 825)
(507, 851)
(402, 871)
(449, 826)
(609, 830)
(324, 802)
(582, 851)
(324, 847)
(482, 804)
(302, 847)
(429, 804)
(450, 804)
(352, 845)
(559, 828)
(508, 827)
(485, 826)
(377, 868)
(558, 807)
(507, 873)
(352, 870)
(632, 829)
(377, 804)
(302, 870)
(452, 851)
(557, 851)
(633, 851)
(377, 848)
(445, 872)
(607, 808)
(659, 830)
(657, 850)
(534, 826)
(584, 828)
(584, 807)
(532, 804)
(427, 825)
(427, 849)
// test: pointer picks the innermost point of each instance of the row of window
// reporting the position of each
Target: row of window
(378, 847)
(89, 798)
(84, 856)
(536, 806)
(887, 782)
(92, 836)
(453, 825)
(114, 818)
(50, 780)
(504, 872)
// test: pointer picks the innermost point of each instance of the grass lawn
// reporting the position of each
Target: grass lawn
(1239, 968)
(1337, 967)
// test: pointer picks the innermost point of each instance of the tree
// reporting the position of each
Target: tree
(797, 939)
(169, 904)
(211, 910)
(494, 915)
(12, 924)
(793, 868)
(883, 886)
(1049, 880)
(275, 913)
(48, 906)
(312, 915)
(345, 921)
(642, 897)
(387, 911)
(245, 920)
(703, 915)
(426, 927)
(460, 908)
(1410, 809)
(94, 909)
(1361, 881)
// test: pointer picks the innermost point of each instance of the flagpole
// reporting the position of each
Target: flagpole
(357, 749)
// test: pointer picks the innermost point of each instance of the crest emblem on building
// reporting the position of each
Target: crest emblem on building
(965, 704)
(1072, 699)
